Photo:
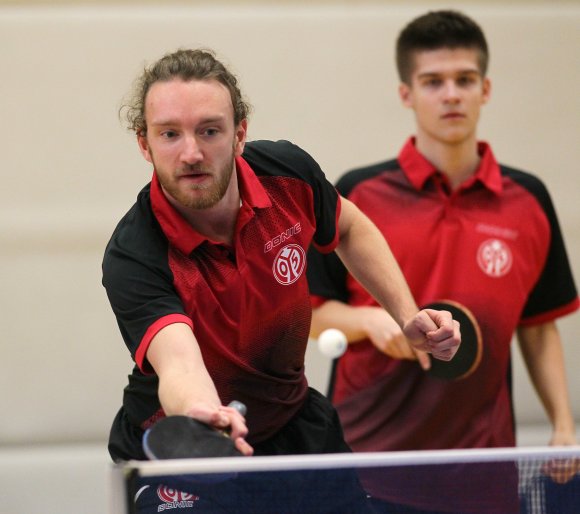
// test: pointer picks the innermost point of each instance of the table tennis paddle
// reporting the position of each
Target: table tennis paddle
(468, 356)
(183, 437)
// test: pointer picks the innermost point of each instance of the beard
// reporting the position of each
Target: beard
(197, 196)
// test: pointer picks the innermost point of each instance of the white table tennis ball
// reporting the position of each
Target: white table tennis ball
(332, 343)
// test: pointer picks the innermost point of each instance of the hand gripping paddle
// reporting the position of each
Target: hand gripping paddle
(468, 356)
(182, 437)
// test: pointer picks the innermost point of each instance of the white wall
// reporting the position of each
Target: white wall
(323, 77)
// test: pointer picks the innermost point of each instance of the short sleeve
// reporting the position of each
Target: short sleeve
(554, 293)
(139, 283)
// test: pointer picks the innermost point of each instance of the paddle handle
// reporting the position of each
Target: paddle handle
(239, 406)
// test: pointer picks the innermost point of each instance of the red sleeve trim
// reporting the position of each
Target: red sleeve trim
(551, 315)
(140, 355)
(317, 301)
(332, 245)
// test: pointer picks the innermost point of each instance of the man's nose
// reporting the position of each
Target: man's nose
(451, 91)
(191, 151)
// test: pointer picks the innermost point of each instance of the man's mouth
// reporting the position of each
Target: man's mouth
(453, 116)
(193, 176)
(192, 172)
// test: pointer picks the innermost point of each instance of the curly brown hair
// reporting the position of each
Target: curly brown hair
(185, 64)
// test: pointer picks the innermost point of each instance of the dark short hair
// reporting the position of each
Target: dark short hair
(186, 65)
(436, 30)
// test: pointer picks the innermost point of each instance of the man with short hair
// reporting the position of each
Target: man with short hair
(463, 228)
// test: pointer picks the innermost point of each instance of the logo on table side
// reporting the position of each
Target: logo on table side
(289, 264)
(494, 258)
(174, 499)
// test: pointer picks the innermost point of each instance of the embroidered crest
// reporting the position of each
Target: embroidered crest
(494, 258)
(289, 264)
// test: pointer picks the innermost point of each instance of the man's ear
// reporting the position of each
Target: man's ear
(486, 90)
(240, 138)
(144, 147)
(406, 95)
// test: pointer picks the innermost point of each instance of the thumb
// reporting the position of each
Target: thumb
(424, 359)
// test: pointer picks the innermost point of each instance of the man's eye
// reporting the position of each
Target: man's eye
(211, 131)
(465, 81)
(433, 82)
(168, 134)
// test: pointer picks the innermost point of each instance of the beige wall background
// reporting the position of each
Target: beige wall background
(321, 75)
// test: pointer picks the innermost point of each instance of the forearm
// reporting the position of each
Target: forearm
(367, 256)
(185, 386)
(183, 393)
(344, 317)
(365, 322)
(543, 355)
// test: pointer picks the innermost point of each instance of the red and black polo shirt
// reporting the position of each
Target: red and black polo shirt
(493, 244)
(247, 304)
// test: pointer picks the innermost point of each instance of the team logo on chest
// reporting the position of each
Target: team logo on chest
(289, 264)
(494, 258)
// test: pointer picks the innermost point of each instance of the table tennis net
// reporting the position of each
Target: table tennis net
(490, 481)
